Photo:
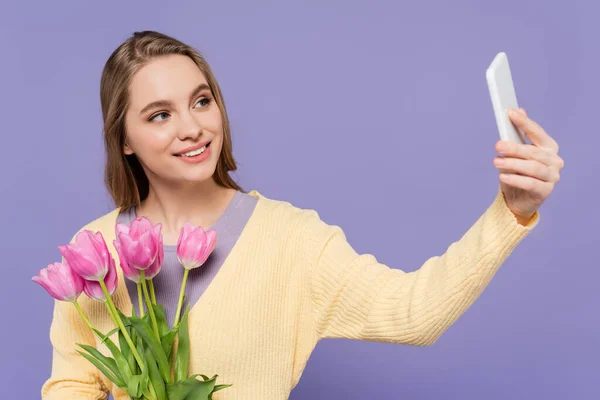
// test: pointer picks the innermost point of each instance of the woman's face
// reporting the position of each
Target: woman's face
(173, 124)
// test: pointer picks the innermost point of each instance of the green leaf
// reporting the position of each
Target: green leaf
(155, 378)
(190, 389)
(139, 344)
(167, 341)
(107, 361)
(202, 389)
(183, 348)
(124, 318)
(146, 333)
(133, 386)
(179, 390)
(121, 362)
(109, 334)
(217, 387)
(106, 371)
(145, 381)
(220, 387)
(127, 353)
(161, 319)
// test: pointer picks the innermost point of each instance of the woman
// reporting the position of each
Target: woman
(280, 279)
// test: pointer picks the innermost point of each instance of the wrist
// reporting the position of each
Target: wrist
(523, 219)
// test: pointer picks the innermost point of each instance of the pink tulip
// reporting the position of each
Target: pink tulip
(195, 245)
(93, 288)
(60, 281)
(88, 256)
(154, 269)
(139, 243)
(129, 272)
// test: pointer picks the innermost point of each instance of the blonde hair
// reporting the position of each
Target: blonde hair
(123, 175)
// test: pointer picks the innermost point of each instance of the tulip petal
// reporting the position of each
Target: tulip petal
(139, 246)
(195, 246)
(60, 281)
(87, 240)
(130, 273)
(83, 261)
(139, 226)
(156, 266)
(138, 256)
(149, 243)
(101, 247)
(121, 228)
(88, 256)
(211, 242)
(93, 288)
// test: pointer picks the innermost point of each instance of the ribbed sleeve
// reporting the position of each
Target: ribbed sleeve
(356, 297)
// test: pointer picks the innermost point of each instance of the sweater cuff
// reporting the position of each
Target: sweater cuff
(507, 220)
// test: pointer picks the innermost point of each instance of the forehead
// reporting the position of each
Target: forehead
(170, 77)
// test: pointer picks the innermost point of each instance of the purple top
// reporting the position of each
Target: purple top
(168, 281)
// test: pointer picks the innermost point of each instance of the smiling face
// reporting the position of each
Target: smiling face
(173, 124)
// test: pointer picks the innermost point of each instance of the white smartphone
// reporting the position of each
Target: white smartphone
(502, 93)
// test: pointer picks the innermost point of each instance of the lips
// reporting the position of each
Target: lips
(192, 148)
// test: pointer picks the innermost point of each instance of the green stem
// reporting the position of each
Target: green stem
(87, 321)
(140, 300)
(112, 315)
(152, 294)
(113, 311)
(150, 308)
(181, 292)
(177, 315)
(85, 318)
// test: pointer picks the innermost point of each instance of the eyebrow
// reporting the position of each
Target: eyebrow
(168, 103)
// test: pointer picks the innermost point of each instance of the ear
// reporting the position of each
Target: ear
(127, 150)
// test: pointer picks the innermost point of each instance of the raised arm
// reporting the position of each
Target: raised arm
(355, 297)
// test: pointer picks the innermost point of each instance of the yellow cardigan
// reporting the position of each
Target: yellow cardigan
(291, 280)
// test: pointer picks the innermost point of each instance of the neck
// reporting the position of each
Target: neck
(173, 205)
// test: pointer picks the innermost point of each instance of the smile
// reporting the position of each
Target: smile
(194, 152)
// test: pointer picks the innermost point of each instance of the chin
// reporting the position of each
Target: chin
(198, 176)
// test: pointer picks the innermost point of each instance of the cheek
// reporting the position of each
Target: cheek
(214, 122)
(150, 140)
(217, 146)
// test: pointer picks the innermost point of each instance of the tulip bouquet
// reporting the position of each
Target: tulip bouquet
(151, 359)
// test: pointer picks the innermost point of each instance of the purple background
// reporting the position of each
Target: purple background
(377, 115)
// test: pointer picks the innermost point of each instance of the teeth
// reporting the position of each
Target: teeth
(195, 152)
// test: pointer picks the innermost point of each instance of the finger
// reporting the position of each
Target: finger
(531, 168)
(535, 187)
(533, 130)
(527, 152)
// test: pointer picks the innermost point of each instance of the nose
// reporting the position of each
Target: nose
(190, 127)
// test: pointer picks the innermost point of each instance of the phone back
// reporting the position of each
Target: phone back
(503, 96)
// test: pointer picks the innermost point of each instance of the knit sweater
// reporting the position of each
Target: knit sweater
(290, 280)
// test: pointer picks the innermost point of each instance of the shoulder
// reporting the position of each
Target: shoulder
(290, 220)
(101, 224)
(283, 212)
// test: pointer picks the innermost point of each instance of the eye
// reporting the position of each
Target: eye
(155, 116)
(204, 101)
